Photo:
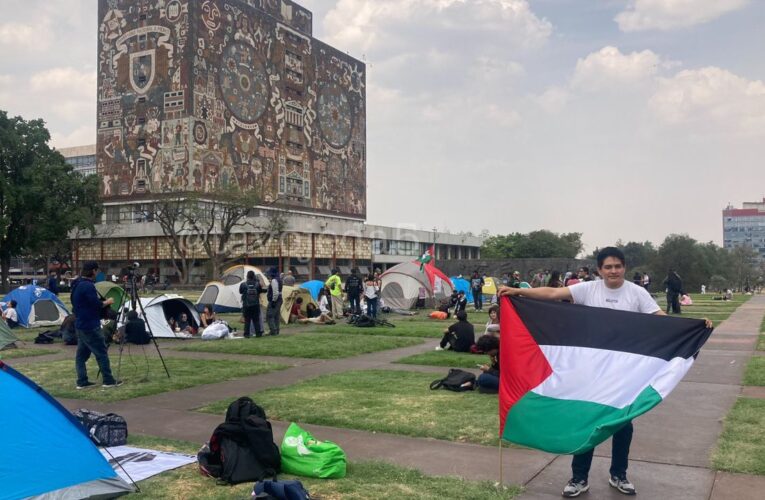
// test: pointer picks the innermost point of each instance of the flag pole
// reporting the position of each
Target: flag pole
(500, 463)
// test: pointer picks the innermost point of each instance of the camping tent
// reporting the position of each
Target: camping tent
(160, 309)
(53, 457)
(7, 338)
(313, 287)
(223, 295)
(289, 295)
(37, 306)
(401, 285)
(109, 290)
(491, 285)
(463, 285)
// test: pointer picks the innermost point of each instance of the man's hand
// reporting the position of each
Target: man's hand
(708, 323)
(484, 368)
(508, 291)
(109, 301)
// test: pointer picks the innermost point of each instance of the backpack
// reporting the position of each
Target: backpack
(280, 490)
(43, 338)
(107, 429)
(364, 321)
(251, 295)
(456, 380)
(241, 449)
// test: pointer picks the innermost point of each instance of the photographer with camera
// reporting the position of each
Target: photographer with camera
(88, 309)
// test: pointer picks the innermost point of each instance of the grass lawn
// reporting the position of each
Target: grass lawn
(58, 377)
(407, 406)
(761, 341)
(704, 306)
(741, 447)
(446, 358)
(365, 480)
(319, 345)
(755, 371)
(25, 352)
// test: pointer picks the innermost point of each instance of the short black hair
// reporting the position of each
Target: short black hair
(487, 343)
(610, 252)
(462, 316)
(299, 300)
(250, 275)
(13, 304)
(132, 315)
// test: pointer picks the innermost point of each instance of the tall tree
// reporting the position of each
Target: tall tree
(41, 197)
(172, 214)
(539, 244)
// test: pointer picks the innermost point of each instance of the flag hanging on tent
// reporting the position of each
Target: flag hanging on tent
(572, 375)
(428, 257)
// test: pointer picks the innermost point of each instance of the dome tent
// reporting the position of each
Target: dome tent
(223, 294)
(37, 306)
(160, 309)
(7, 338)
(109, 290)
(53, 456)
(401, 285)
(289, 296)
(463, 285)
(313, 287)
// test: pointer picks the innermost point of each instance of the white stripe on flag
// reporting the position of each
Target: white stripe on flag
(610, 378)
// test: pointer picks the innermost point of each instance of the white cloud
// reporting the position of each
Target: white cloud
(609, 67)
(553, 99)
(77, 137)
(64, 80)
(363, 24)
(19, 36)
(712, 99)
(642, 15)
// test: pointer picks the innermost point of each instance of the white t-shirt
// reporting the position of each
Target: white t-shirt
(628, 297)
(11, 314)
(324, 304)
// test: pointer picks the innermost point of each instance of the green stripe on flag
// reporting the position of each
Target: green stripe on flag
(567, 426)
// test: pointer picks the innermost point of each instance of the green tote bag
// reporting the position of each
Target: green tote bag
(304, 455)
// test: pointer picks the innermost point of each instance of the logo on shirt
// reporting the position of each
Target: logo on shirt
(614, 301)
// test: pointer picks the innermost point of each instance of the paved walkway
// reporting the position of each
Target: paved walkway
(669, 456)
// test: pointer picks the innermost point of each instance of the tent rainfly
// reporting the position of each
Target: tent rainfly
(289, 295)
(223, 295)
(37, 306)
(401, 285)
(160, 309)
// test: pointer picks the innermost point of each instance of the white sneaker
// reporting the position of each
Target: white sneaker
(575, 488)
(439, 348)
(623, 485)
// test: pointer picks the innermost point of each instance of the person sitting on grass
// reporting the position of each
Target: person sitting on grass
(311, 311)
(296, 314)
(461, 304)
(316, 316)
(488, 381)
(10, 315)
(135, 329)
(492, 326)
(208, 316)
(460, 336)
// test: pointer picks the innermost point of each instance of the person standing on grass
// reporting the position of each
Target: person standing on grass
(674, 289)
(353, 290)
(476, 284)
(250, 291)
(612, 292)
(274, 294)
(88, 306)
(371, 291)
(334, 284)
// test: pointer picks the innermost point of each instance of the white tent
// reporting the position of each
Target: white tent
(224, 295)
(401, 285)
(160, 309)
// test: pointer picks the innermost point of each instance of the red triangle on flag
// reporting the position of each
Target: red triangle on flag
(523, 365)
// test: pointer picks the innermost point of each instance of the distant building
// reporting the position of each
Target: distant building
(745, 226)
(82, 158)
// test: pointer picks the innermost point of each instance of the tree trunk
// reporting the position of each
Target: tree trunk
(5, 268)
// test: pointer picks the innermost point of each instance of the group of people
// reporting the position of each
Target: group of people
(362, 293)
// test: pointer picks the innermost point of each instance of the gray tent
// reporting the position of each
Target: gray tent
(7, 338)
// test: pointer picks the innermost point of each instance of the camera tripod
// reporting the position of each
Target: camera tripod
(131, 289)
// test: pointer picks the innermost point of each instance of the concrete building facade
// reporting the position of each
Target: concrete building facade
(745, 226)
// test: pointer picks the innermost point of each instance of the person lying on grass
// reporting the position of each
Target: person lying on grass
(460, 336)
(316, 316)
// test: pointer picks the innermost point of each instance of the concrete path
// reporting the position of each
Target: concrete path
(669, 456)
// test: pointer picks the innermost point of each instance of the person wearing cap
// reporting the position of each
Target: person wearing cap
(88, 306)
(334, 284)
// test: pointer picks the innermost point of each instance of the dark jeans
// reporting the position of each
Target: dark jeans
(11, 323)
(273, 316)
(478, 300)
(372, 307)
(252, 315)
(488, 382)
(620, 454)
(92, 341)
(354, 301)
(673, 302)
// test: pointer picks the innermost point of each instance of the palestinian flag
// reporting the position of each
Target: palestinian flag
(572, 375)
(427, 257)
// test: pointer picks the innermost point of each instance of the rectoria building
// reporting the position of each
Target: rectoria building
(745, 226)
(194, 96)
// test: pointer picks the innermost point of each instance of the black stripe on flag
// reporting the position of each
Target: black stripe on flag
(565, 324)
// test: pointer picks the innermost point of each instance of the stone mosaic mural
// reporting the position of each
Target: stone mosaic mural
(199, 94)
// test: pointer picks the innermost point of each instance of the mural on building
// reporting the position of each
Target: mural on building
(199, 94)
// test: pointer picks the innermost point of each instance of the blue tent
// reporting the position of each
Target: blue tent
(37, 306)
(53, 457)
(313, 287)
(463, 285)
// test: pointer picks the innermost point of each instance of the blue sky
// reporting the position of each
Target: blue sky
(620, 119)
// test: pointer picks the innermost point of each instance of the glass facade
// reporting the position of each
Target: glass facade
(86, 165)
(745, 227)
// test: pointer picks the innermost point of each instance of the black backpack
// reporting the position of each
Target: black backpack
(241, 449)
(251, 295)
(456, 380)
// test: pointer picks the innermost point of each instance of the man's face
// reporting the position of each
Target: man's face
(612, 271)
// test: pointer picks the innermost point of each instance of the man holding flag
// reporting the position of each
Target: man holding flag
(612, 292)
